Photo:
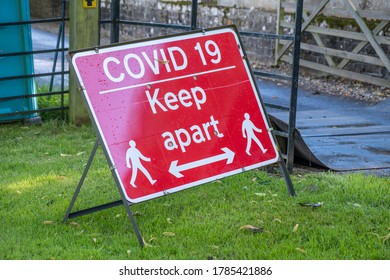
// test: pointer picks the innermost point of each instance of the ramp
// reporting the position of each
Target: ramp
(334, 132)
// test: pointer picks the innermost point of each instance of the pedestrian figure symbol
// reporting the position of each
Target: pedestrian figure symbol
(133, 161)
(248, 132)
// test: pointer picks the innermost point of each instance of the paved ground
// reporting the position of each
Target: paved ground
(337, 133)
(43, 63)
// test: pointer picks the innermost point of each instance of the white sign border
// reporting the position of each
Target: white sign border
(167, 40)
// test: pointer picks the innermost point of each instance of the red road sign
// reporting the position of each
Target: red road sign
(175, 112)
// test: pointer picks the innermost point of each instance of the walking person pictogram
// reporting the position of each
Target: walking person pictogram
(133, 161)
(248, 132)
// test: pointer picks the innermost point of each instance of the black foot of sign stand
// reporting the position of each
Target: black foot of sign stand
(286, 175)
(70, 215)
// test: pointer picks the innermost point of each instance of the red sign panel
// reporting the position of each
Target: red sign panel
(175, 112)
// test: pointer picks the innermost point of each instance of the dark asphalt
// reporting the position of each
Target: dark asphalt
(335, 132)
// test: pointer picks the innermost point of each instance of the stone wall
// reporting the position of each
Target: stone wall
(244, 14)
(247, 15)
(45, 8)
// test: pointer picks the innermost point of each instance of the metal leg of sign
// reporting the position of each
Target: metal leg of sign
(83, 212)
(283, 166)
(76, 193)
(131, 218)
(126, 204)
(286, 176)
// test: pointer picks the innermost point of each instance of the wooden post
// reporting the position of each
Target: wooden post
(83, 33)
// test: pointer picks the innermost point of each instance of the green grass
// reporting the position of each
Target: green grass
(40, 167)
(52, 101)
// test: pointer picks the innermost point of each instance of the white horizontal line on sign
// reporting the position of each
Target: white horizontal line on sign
(170, 79)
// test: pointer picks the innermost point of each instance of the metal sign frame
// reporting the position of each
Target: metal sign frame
(100, 140)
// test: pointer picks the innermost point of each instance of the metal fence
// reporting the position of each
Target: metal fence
(58, 71)
(115, 22)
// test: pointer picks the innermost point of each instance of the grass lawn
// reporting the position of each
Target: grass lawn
(243, 217)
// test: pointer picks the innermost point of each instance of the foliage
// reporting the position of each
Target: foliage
(53, 104)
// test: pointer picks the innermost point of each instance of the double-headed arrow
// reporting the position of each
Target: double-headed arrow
(176, 170)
